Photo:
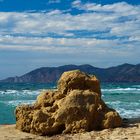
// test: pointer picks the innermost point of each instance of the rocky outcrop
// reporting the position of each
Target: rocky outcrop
(78, 80)
(76, 106)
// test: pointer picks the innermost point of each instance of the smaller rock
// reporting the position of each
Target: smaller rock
(78, 80)
(111, 120)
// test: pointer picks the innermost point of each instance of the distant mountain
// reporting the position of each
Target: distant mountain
(121, 73)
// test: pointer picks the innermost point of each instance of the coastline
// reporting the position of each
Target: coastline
(129, 131)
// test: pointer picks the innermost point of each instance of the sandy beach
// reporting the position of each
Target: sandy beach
(129, 131)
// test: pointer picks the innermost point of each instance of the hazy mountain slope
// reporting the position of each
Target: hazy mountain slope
(121, 73)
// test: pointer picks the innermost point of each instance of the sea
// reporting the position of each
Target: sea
(123, 97)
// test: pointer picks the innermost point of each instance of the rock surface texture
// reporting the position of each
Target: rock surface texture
(76, 106)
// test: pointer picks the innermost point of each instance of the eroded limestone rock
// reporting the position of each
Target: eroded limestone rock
(75, 107)
(78, 80)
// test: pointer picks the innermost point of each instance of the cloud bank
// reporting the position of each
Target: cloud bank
(111, 31)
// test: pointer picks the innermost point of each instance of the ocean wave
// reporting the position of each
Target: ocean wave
(128, 113)
(19, 92)
(126, 109)
(121, 89)
(30, 92)
(136, 86)
(120, 103)
(114, 103)
(17, 102)
(12, 98)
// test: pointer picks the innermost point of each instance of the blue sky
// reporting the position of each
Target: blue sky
(38, 33)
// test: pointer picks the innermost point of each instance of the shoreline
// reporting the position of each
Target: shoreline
(129, 131)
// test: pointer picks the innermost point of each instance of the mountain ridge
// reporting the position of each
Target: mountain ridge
(121, 73)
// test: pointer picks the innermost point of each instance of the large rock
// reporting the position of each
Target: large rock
(76, 106)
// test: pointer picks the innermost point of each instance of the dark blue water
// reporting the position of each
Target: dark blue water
(124, 97)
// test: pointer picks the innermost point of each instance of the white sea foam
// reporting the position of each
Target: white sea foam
(122, 89)
(114, 102)
(136, 86)
(35, 92)
(120, 103)
(125, 109)
(128, 113)
(19, 92)
(17, 102)
(54, 87)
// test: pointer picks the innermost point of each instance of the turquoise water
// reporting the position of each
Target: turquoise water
(124, 97)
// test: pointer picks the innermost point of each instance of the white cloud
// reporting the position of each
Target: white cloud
(76, 3)
(68, 46)
(54, 1)
(116, 7)
(117, 23)
(54, 12)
